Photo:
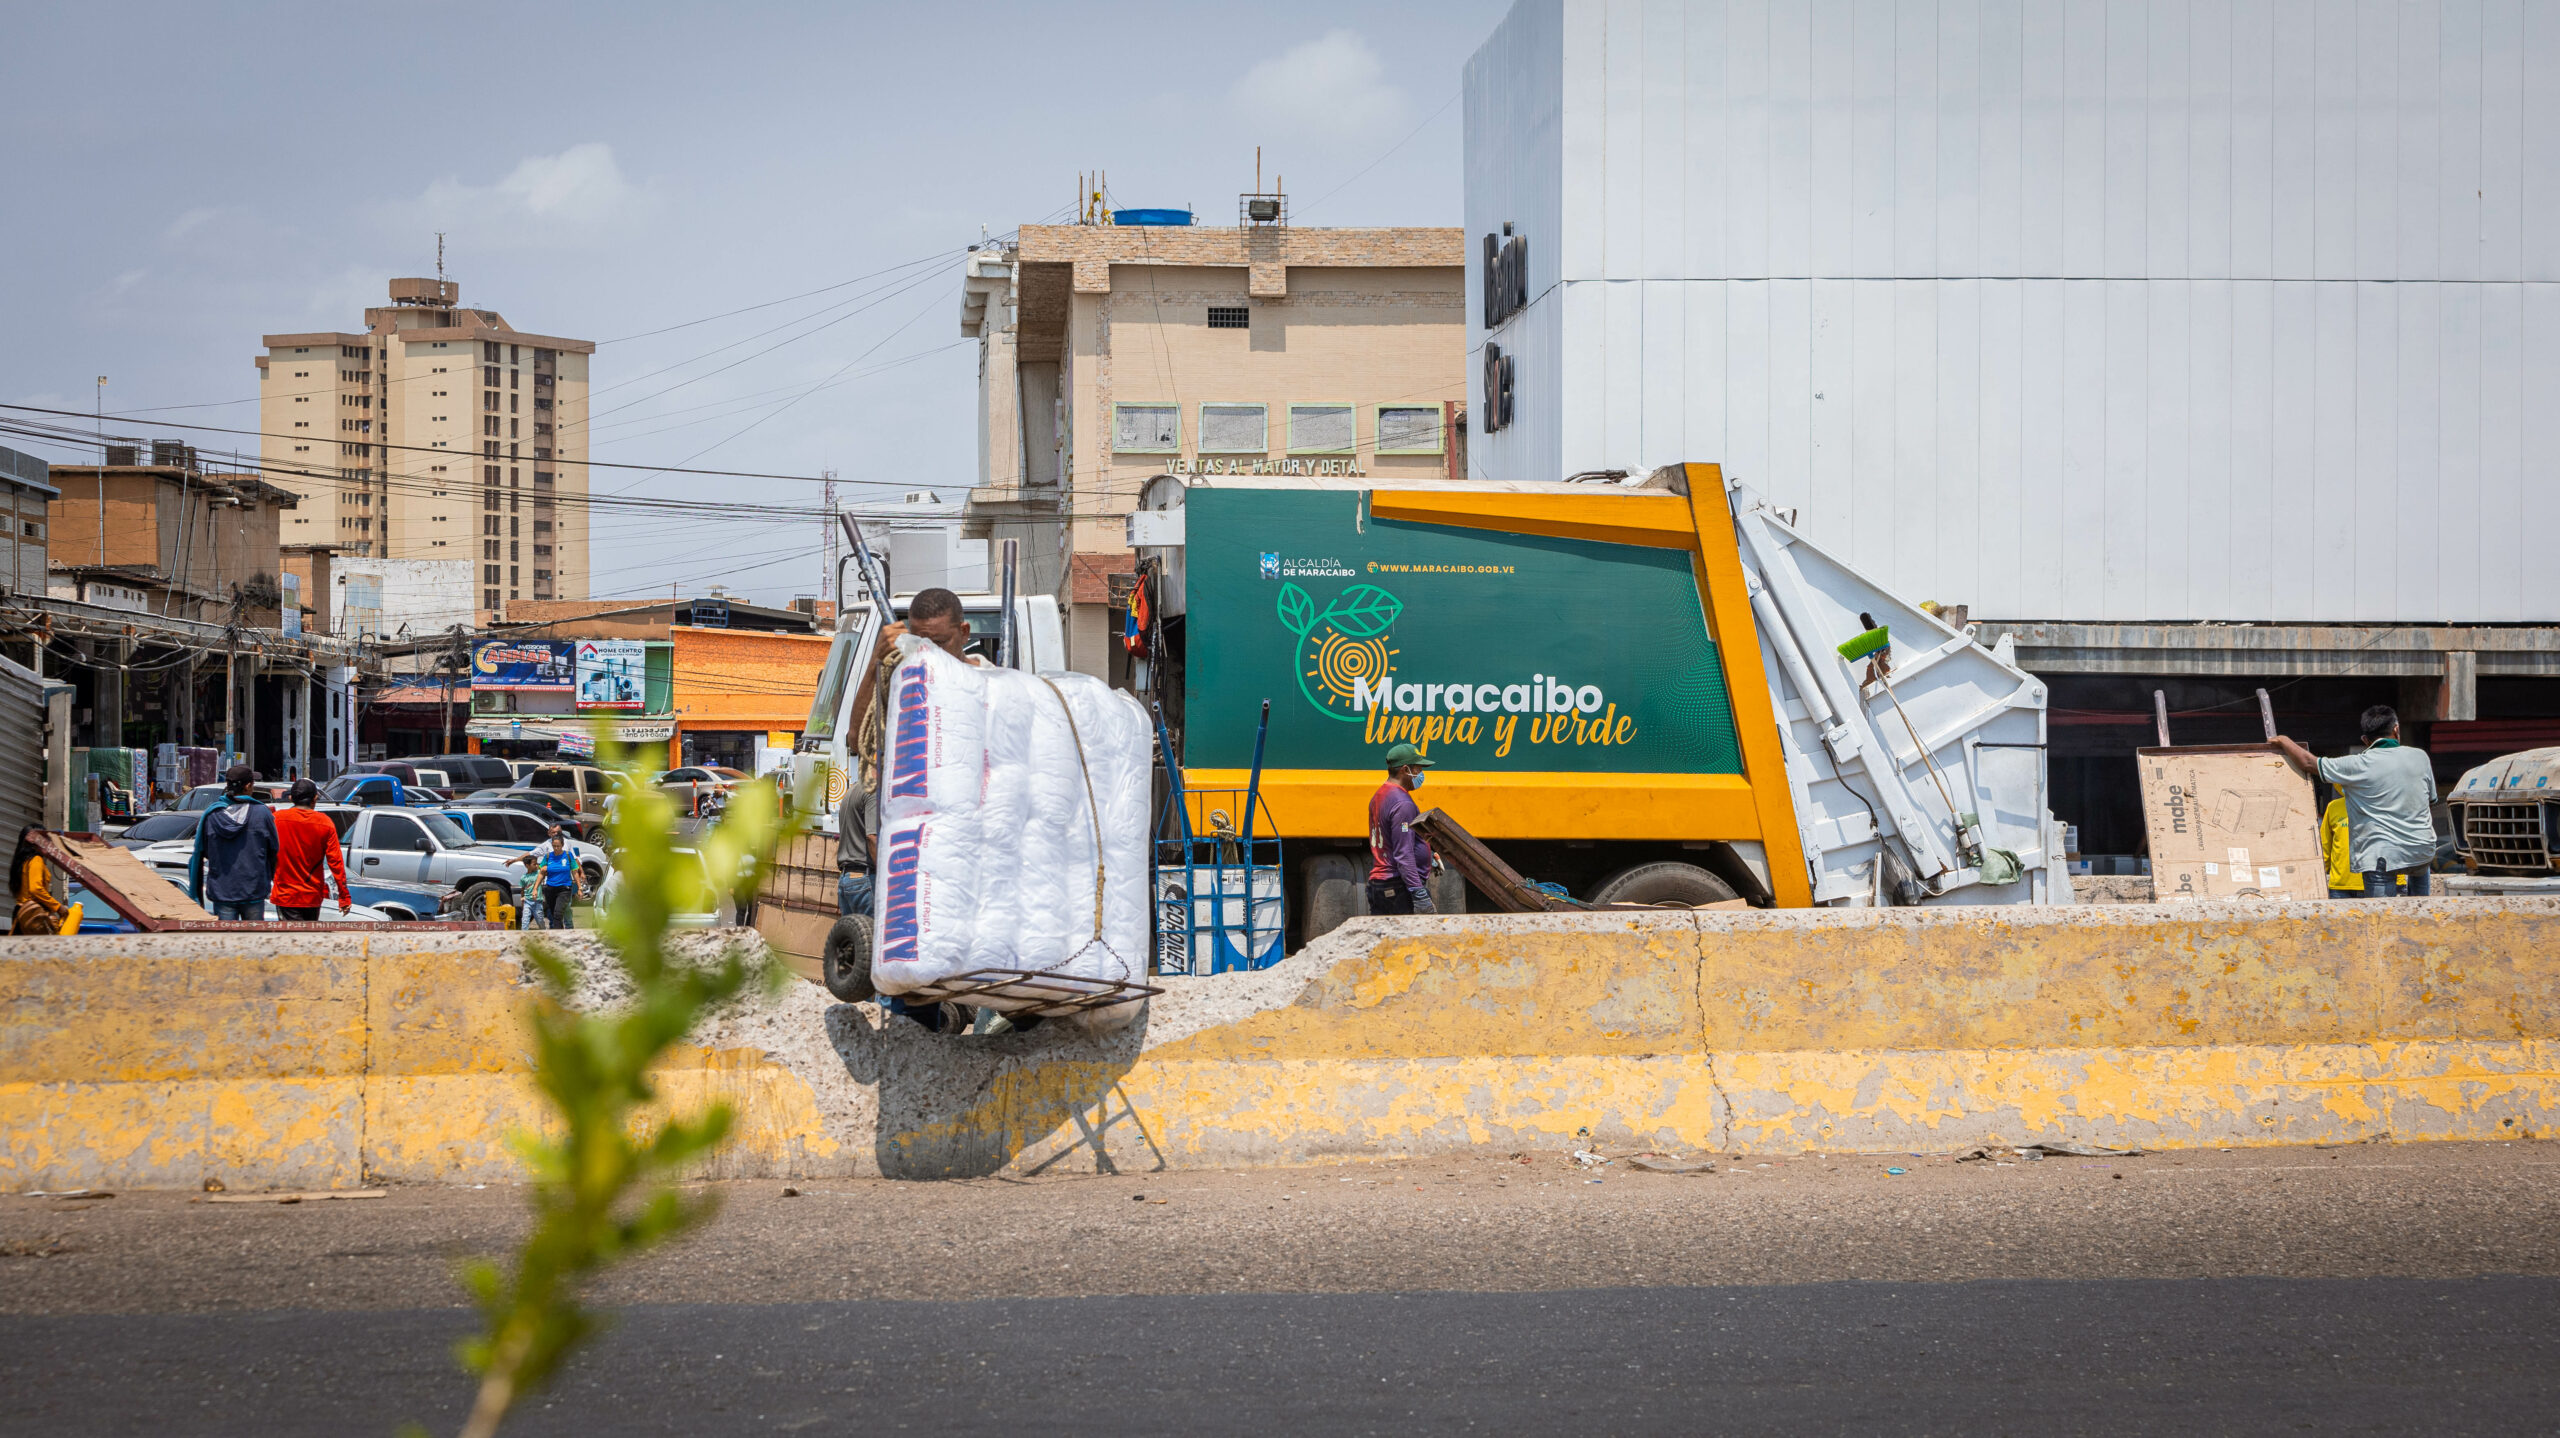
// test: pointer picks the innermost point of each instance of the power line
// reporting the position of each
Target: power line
(431, 449)
(795, 399)
(786, 299)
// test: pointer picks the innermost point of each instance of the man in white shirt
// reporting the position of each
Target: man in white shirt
(2389, 789)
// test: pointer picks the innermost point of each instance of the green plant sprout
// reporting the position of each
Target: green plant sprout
(602, 1186)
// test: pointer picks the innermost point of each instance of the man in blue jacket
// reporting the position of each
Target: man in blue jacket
(234, 862)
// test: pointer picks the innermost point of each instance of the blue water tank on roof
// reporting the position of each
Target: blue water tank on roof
(1151, 217)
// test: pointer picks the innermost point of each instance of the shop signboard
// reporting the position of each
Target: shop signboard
(522, 665)
(577, 744)
(612, 674)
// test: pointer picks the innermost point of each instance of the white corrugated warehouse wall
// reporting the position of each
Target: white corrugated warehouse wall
(2197, 309)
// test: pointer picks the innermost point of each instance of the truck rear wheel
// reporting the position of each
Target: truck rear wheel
(1684, 885)
(1336, 893)
(475, 900)
(846, 962)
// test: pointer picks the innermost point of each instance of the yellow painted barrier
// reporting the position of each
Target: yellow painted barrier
(318, 1060)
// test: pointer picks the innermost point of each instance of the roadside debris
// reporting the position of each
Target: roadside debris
(41, 1246)
(1587, 1158)
(213, 1185)
(1662, 1163)
(311, 1195)
(2040, 1150)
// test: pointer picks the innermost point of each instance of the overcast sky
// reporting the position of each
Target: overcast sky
(186, 178)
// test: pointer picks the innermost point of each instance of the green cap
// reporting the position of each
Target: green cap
(1404, 754)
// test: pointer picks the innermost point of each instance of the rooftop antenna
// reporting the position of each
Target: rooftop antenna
(439, 257)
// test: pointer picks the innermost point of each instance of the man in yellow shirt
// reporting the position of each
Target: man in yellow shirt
(2344, 881)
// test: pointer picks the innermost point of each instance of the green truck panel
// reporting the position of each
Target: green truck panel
(1494, 652)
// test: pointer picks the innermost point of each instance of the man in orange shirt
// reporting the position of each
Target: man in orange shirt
(307, 857)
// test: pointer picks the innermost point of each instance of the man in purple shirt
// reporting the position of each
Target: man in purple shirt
(1399, 860)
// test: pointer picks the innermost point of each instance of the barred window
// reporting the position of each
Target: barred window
(1230, 317)
(1234, 429)
(1146, 428)
(1323, 429)
(1408, 429)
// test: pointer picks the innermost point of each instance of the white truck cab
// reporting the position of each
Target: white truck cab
(1039, 641)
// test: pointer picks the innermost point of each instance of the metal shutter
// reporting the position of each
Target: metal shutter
(21, 748)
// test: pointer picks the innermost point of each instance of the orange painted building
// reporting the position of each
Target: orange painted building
(735, 688)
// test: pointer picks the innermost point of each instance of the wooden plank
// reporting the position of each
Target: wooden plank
(1484, 869)
(142, 898)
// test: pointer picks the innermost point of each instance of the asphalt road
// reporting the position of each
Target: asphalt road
(2101, 1356)
(2367, 1289)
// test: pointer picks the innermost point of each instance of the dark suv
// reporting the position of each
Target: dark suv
(470, 771)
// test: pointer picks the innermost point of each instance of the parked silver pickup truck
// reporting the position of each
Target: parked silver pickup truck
(424, 847)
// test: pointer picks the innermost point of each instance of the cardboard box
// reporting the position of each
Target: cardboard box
(2230, 821)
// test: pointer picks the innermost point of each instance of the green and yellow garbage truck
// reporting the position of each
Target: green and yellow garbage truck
(1645, 690)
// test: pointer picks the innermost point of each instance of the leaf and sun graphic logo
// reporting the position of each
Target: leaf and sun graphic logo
(1340, 645)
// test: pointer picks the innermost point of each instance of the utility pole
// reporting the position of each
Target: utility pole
(102, 470)
(450, 662)
(827, 576)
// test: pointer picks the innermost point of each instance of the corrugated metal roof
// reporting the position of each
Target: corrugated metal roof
(28, 470)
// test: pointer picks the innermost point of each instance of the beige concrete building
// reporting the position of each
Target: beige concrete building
(1109, 355)
(436, 433)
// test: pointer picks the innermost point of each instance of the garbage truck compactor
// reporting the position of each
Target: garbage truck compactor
(1655, 690)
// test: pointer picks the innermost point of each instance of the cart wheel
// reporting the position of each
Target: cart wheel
(1335, 894)
(847, 959)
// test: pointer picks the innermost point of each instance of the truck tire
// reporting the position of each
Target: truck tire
(475, 900)
(1681, 885)
(1448, 892)
(846, 962)
(1335, 894)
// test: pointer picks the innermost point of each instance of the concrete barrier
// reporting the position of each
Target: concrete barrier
(320, 1060)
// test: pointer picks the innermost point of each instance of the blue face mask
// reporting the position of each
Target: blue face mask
(1417, 780)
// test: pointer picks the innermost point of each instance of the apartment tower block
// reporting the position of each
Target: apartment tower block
(437, 432)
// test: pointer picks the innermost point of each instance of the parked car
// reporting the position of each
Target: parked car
(697, 907)
(209, 796)
(696, 782)
(394, 900)
(505, 826)
(371, 789)
(470, 771)
(430, 847)
(584, 787)
(159, 828)
(546, 806)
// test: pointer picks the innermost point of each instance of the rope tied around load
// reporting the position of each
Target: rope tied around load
(1093, 811)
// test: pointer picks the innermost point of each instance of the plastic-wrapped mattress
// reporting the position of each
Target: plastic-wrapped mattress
(1013, 824)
